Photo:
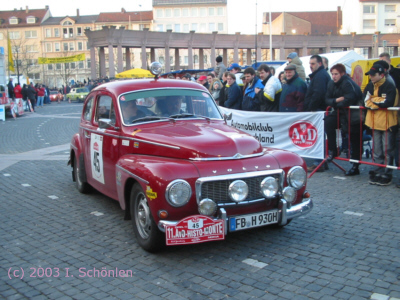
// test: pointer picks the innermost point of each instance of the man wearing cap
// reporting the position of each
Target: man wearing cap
(235, 69)
(220, 68)
(293, 58)
(203, 81)
(293, 92)
(380, 93)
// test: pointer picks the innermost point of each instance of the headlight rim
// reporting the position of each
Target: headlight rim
(289, 177)
(167, 192)
(277, 187)
(294, 194)
(230, 188)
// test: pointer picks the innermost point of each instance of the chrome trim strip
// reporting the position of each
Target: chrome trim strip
(202, 180)
(232, 204)
(133, 175)
(282, 208)
(132, 139)
(236, 156)
(300, 209)
(223, 217)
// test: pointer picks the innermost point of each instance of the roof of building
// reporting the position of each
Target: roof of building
(22, 15)
(78, 20)
(125, 16)
(321, 21)
(380, 1)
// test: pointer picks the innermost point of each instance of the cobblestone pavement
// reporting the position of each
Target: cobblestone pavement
(56, 243)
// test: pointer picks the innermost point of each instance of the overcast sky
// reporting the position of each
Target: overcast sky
(241, 13)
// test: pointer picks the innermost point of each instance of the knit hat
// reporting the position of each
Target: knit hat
(292, 55)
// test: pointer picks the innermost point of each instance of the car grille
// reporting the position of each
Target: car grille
(218, 190)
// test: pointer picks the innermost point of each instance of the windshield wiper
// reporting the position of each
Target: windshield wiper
(186, 115)
(150, 118)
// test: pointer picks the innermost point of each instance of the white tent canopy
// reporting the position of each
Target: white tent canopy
(346, 58)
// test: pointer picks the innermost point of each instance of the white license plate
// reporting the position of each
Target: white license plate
(253, 220)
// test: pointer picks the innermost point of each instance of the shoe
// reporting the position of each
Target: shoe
(374, 180)
(383, 181)
(353, 171)
(313, 167)
(371, 174)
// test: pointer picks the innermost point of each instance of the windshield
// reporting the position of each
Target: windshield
(163, 104)
(82, 90)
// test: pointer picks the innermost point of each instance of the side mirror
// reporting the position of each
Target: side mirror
(106, 124)
(227, 117)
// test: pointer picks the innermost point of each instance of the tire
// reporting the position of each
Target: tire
(148, 236)
(81, 185)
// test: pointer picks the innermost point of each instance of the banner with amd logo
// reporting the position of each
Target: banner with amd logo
(302, 133)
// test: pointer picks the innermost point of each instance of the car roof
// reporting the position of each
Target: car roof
(123, 86)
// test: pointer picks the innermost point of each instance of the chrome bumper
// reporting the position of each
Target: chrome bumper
(285, 214)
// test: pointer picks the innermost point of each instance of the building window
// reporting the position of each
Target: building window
(81, 65)
(390, 8)
(1, 36)
(168, 27)
(203, 27)
(185, 12)
(73, 65)
(13, 20)
(205, 59)
(160, 27)
(79, 31)
(203, 12)
(185, 27)
(31, 48)
(30, 20)
(177, 27)
(48, 47)
(14, 35)
(34, 76)
(196, 59)
(89, 64)
(168, 13)
(67, 23)
(193, 12)
(159, 13)
(31, 34)
(194, 26)
(186, 59)
(56, 32)
(211, 11)
(71, 46)
(50, 67)
(177, 12)
(369, 9)
(48, 32)
(80, 46)
(65, 46)
(211, 27)
(57, 47)
(220, 26)
(58, 66)
(368, 24)
(68, 32)
(15, 49)
(220, 11)
(390, 22)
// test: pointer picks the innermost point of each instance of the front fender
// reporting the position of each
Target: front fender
(154, 174)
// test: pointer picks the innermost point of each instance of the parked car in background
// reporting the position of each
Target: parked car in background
(78, 94)
(163, 149)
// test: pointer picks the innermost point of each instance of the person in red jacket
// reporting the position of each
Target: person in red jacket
(41, 93)
(17, 91)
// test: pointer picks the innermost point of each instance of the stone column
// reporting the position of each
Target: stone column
(177, 64)
(225, 57)
(282, 55)
(212, 58)
(190, 57)
(201, 58)
(143, 56)
(305, 49)
(102, 59)
(248, 57)
(152, 54)
(120, 66)
(396, 50)
(328, 43)
(167, 64)
(111, 65)
(128, 58)
(236, 48)
(93, 63)
(353, 36)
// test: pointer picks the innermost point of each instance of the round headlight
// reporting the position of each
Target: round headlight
(269, 187)
(297, 177)
(178, 192)
(238, 190)
(289, 194)
(155, 68)
(207, 207)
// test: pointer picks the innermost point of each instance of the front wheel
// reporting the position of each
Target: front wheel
(82, 186)
(147, 234)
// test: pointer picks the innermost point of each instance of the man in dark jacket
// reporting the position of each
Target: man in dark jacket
(342, 93)
(31, 94)
(250, 100)
(270, 95)
(315, 96)
(293, 92)
(10, 87)
(234, 92)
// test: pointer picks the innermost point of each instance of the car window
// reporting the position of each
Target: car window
(88, 109)
(171, 102)
(104, 109)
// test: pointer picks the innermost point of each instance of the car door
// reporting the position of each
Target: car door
(103, 147)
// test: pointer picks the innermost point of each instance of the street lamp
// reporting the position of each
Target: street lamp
(255, 65)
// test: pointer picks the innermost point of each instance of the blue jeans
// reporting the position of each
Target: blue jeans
(40, 100)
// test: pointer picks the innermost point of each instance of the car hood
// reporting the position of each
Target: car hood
(194, 139)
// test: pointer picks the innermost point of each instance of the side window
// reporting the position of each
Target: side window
(105, 109)
(88, 110)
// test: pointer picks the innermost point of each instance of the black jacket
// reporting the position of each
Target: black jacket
(265, 103)
(316, 91)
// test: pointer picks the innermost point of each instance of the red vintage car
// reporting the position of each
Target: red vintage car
(55, 96)
(163, 149)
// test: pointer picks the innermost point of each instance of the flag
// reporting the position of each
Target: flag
(10, 57)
